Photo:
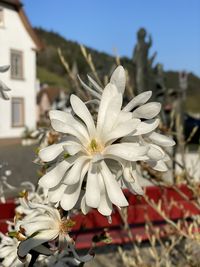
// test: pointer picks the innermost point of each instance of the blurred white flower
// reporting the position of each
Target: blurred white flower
(33, 194)
(8, 252)
(46, 226)
(4, 88)
(8, 172)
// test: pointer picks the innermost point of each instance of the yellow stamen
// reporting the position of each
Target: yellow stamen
(17, 235)
(23, 194)
(94, 147)
(66, 225)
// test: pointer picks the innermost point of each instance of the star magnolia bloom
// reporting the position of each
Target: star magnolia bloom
(44, 227)
(8, 252)
(144, 133)
(31, 194)
(90, 147)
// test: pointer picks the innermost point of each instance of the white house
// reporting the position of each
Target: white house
(18, 47)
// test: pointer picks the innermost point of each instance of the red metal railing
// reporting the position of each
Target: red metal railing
(175, 204)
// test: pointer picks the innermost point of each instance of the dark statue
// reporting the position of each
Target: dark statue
(141, 61)
(147, 75)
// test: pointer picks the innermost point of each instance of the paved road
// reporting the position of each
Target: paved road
(20, 162)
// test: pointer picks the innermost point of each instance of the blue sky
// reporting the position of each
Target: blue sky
(109, 24)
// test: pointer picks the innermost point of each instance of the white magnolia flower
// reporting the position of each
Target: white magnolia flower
(8, 252)
(144, 133)
(90, 148)
(45, 227)
(4, 88)
(33, 194)
(120, 135)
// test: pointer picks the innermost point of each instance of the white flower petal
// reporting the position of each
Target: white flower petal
(50, 210)
(118, 78)
(109, 92)
(31, 243)
(95, 84)
(135, 187)
(96, 157)
(72, 192)
(53, 177)
(166, 158)
(105, 205)
(51, 152)
(72, 148)
(74, 173)
(82, 112)
(122, 130)
(84, 207)
(131, 179)
(72, 129)
(138, 100)
(147, 111)
(101, 183)
(127, 151)
(70, 196)
(9, 261)
(3, 94)
(60, 115)
(4, 68)
(90, 90)
(123, 117)
(113, 189)
(155, 152)
(112, 114)
(92, 187)
(33, 227)
(161, 139)
(55, 193)
(158, 165)
(5, 251)
(147, 126)
(130, 139)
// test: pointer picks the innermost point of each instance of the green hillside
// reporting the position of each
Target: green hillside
(48, 58)
(51, 78)
(51, 71)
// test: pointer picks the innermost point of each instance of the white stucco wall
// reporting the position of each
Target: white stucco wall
(13, 35)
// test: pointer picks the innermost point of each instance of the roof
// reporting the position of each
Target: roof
(18, 6)
(16, 3)
(51, 92)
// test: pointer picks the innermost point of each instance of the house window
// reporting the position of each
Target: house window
(17, 112)
(16, 64)
(1, 17)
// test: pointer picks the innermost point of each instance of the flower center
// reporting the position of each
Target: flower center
(66, 225)
(94, 147)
